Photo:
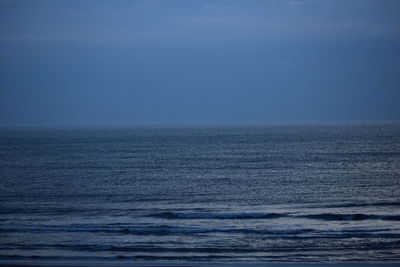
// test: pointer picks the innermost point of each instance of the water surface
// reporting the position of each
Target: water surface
(244, 194)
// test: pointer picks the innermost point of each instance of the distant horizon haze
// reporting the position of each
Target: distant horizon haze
(183, 125)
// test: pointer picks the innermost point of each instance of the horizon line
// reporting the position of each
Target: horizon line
(198, 124)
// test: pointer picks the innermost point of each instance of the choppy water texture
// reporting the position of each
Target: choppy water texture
(244, 194)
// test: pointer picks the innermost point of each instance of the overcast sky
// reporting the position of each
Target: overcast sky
(221, 62)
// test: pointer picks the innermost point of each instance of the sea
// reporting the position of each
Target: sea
(299, 193)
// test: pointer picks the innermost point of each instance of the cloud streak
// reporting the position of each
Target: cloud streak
(165, 21)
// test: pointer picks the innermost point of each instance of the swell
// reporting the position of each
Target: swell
(62, 211)
(218, 216)
(350, 217)
(153, 249)
(374, 204)
(147, 230)
(164, 230)
(248, 216)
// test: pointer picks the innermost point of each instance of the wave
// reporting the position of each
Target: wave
(165, 230)
(355, 205)
(247, 216)
(120, 257)
(134, 230)
(377, 245)
(149, 230)
(350, 217)
(219, 216)
(63, 211)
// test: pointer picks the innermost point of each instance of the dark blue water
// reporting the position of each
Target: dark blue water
(243, 194)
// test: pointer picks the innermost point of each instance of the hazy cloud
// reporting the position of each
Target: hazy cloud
(190, 61)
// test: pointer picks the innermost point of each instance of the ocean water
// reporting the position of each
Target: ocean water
(327, 193)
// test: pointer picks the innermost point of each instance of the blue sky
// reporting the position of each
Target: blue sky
(178, 62)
